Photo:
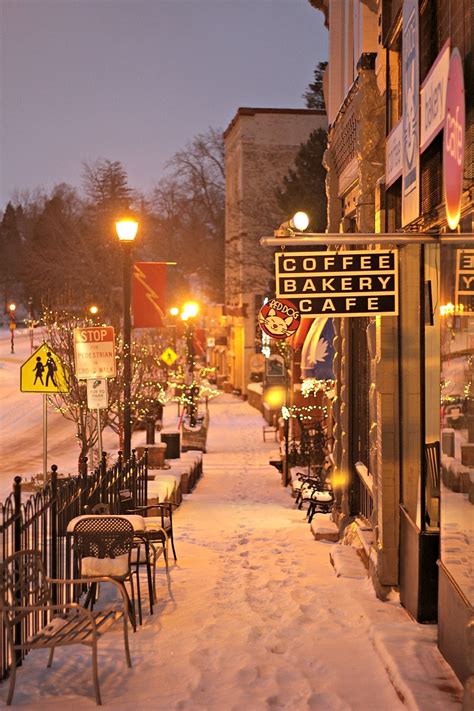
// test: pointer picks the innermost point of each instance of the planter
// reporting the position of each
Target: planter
(195, 437)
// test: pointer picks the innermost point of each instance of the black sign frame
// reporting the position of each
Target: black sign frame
(335, 284)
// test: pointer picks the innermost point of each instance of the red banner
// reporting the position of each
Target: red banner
(199, 341)
(148, 294)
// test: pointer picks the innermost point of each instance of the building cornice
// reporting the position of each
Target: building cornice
(323, 6)
(248, 111)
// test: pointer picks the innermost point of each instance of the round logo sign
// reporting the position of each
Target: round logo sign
(453, 147)
(279, 318)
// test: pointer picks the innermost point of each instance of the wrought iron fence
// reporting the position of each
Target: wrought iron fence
(40, 521)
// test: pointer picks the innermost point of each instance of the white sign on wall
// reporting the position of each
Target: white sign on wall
(433, 99)
(410, 118)
(97, 394)
(393, 154)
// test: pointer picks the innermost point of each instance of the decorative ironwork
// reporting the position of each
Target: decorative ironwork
(40, 522)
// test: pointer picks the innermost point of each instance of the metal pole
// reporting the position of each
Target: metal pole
(99, 437)
(127, 363)
(30, 318)
(45, 438)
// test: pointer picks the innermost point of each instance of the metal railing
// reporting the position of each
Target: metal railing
(40, 521)
(362, 492)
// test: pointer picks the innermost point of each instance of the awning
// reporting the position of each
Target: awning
(318, 350)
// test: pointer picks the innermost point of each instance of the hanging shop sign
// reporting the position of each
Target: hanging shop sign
(433, 99)
(94, 352)
(97, 394)
(411, 155)
(279, 318)
(454, 140)
(352, 283)
(465, 278)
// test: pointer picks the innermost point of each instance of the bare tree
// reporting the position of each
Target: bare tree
(188, 207)
(148, 380)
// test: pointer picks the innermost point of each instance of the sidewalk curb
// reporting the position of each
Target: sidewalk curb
(412, 674)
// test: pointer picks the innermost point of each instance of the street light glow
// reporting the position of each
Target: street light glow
(300, 221)
(174, 311)
(12, 307)
(126, 229)
(191, 308)
(94, 310)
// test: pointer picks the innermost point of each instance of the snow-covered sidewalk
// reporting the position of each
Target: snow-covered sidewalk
(255, 617)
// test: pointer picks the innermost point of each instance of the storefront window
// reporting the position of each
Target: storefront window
(457, 415)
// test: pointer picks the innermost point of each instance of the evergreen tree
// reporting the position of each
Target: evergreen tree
(10, 254)
(314, 96)
(304, 187)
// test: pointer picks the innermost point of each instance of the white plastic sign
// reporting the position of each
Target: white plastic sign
(97, 394)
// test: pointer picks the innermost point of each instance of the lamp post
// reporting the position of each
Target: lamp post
(31, 323)
(126, 231)
(190, 310)
(11, 311)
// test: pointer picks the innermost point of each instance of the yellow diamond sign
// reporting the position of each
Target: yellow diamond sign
(168, 356)
(43, 372)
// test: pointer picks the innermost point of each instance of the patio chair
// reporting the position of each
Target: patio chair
(145, 552)
(26, 604)
(103, 547)
(154, 525)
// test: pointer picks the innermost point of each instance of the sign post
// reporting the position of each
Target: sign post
(97, 399)
(43, 372)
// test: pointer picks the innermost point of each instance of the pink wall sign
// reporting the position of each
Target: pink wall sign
(454, 139)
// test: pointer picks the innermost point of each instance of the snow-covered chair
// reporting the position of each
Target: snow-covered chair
(26, 604)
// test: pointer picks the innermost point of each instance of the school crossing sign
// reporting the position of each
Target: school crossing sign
(43, 372)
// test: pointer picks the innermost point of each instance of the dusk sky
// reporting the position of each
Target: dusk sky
(135, 80)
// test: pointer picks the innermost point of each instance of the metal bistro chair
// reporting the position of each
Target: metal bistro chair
(26, 604)
(154, 525)
(103, 547)
(144, 552)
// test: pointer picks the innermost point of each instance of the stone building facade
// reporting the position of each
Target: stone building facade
(260, 148)
(409, 463)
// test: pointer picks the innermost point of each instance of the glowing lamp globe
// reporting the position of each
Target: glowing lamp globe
(300, 221)
(126, 230)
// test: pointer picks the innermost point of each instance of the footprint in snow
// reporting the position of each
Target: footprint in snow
(277, 647)
(319, 700)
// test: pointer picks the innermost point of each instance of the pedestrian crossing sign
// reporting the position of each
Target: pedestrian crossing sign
(43, 372)
(168, 356)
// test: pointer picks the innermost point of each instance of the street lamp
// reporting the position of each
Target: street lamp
(11, 310)
(126, 232)
(93, 310)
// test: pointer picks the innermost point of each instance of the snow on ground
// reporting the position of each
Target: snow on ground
(254, 616)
